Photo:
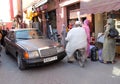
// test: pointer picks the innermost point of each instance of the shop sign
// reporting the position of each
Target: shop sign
(74, 14)
(41, 2)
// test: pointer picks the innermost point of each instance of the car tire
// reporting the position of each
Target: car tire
(20, 63)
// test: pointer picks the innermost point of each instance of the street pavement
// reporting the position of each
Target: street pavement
(59, 73)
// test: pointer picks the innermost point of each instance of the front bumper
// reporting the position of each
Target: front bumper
(40, 60)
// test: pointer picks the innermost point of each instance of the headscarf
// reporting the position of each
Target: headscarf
(78, 23)
(86, 22)
(111, 22)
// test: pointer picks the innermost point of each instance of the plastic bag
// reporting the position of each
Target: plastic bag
(100, 37)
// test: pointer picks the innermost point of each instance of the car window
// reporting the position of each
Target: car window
(22, 34)
(11, 36)
(28, 34)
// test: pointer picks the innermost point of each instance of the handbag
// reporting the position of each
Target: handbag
(113, 32)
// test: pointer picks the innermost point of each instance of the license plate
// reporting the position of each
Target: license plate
(50, 59)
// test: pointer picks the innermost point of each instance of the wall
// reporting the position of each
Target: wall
(52, 4)
(19, 6)
(61, 13)
(61, 18)
(11, 9)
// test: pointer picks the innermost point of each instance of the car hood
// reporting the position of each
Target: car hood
(35, 44)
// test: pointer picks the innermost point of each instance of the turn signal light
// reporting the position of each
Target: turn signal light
(26, 55)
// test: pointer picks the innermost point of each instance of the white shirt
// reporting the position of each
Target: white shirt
(77, 38)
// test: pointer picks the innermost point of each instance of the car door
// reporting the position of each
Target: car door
(8, 42)
(11, 43)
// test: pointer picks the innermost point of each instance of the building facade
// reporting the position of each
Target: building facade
(56, 12)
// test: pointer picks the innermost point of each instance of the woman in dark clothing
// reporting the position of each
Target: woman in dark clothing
(4, 33)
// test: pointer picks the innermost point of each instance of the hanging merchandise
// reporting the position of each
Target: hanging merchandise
(30, 18)
(45, 7)
(38, 9)
(25, 11)
(29, 13)
(35, 14)
(27, 16)
(33, 9)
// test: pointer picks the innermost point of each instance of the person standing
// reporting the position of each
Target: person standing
(4, 33)
(76, 39)
(87, 29)
(108, 53)
(0, 41)
(64, 34)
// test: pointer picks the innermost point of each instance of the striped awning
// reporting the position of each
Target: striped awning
(36, 3)
(98, 6)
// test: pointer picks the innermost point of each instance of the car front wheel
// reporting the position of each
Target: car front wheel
(20, 63)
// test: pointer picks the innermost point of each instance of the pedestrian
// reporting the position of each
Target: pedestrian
(0, 41)
(76, 39)
(70, 26)
(64, 34)
(4, 33)
(108, 53)
(7, 29)
(87, 29)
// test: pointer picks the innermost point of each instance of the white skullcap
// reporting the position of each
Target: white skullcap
(77, 23)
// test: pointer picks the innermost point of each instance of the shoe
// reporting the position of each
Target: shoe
(104, 62)
(101, 61)
(70, 61)
(112, 62)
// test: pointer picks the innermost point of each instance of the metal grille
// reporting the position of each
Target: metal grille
(48, 52)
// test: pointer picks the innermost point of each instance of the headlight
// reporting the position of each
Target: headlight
(33, 54)
(60, 49)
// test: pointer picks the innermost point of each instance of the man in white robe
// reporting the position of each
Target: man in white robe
(76, 39)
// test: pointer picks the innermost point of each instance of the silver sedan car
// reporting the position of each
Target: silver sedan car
(29, 46)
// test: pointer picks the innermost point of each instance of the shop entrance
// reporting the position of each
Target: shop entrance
(51, 16)
(72, 14)
(51, 23)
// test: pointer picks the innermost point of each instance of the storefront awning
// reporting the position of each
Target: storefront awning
(41, 2)
(98, 6)
(29, 3)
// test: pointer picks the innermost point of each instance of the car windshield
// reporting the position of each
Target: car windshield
(28, 34)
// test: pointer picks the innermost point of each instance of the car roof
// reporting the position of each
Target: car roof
(23, 29)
